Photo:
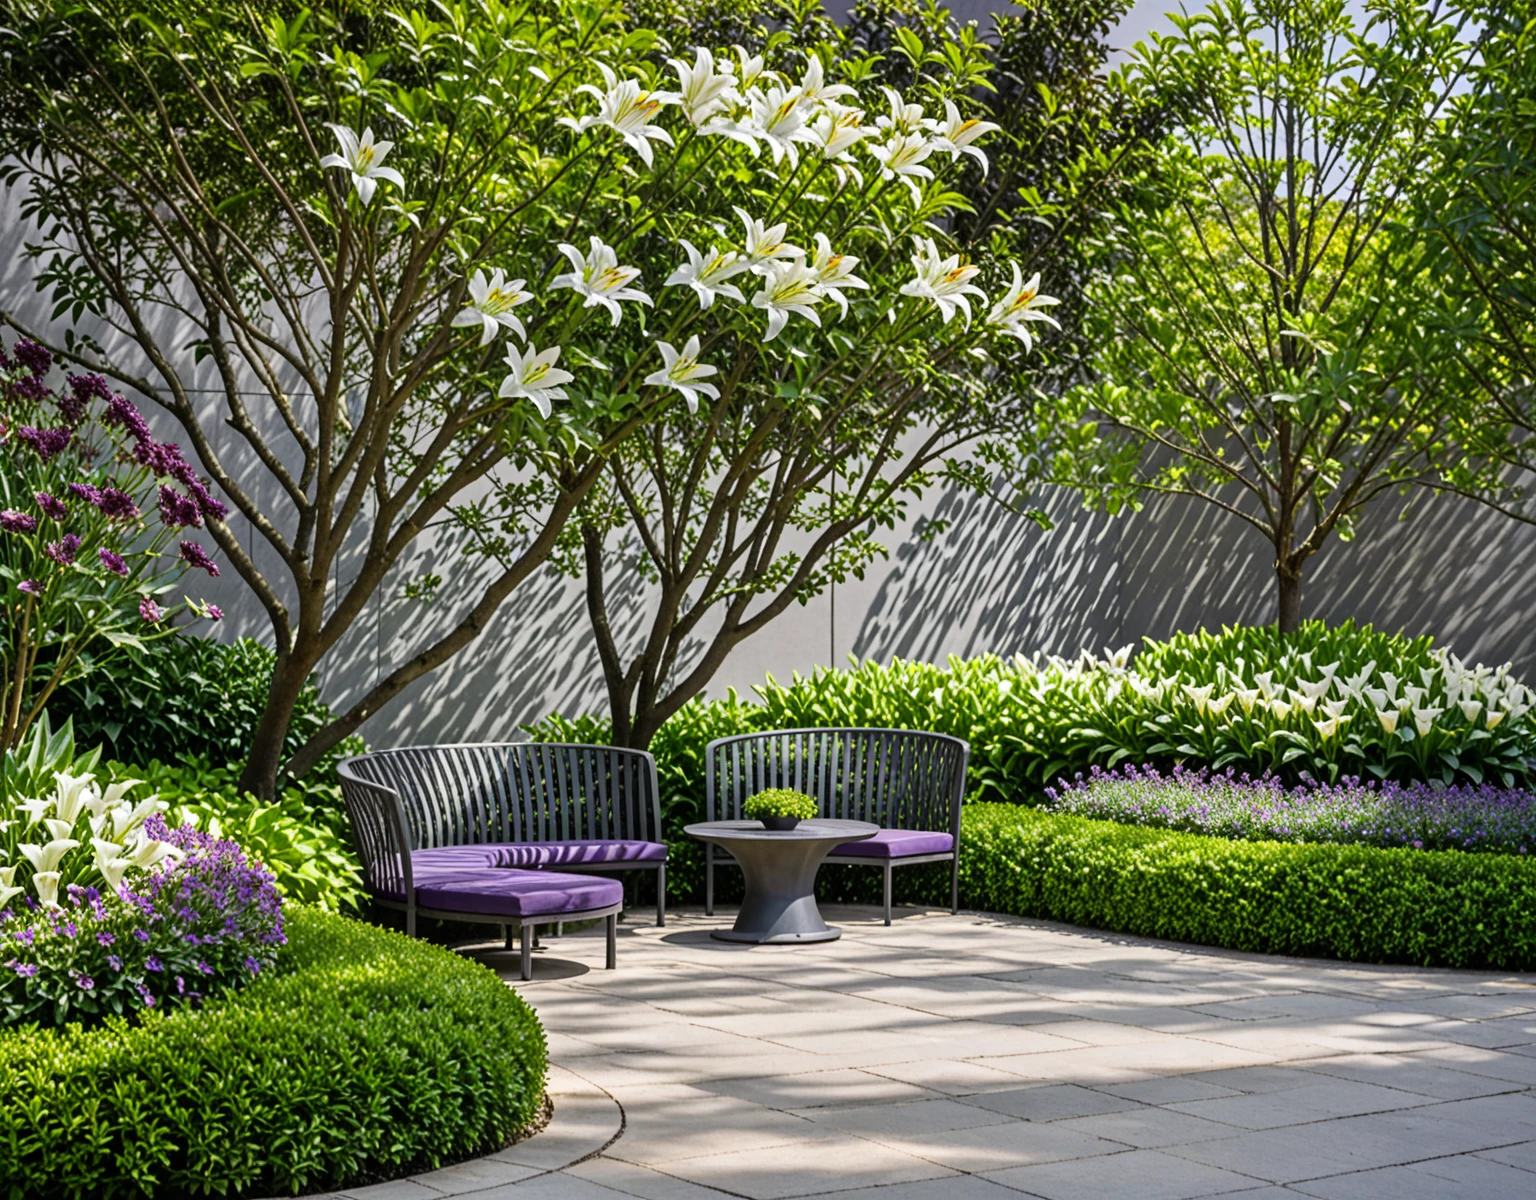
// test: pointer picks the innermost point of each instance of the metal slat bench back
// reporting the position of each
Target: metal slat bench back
(894, 778)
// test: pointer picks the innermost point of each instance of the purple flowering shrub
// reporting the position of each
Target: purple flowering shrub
(94, 514)
(201, 923)
(1418, 816)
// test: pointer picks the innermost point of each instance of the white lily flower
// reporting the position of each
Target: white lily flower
(1470, 710)
(1220, 704)
(1247, 699)
(8, 875)
(147, 851)
(788, 288)
(7, 894)
(1280, 709)
(127, 817)
(1391, 681)
(765, 243)
(902, 156)
(706, 274)
(777, 118)
(363, 156)
(535, 377)
(1424, 719)
(815, 88)
(1317, 690)
(46, 885)
(58, 828)
(1335, 708)
(702, 91)
(70, 794)
(1019, 305)
(113, 870)
(836, 130)
(1330, 727)
(1306, 703)
(1199, 696)
(627, 109)
(491, 302)
(944, 281)
(105, 850)
(955, 133)
(1356, 682)
(599, 277)
(1388, 719)
(903, 117)
(683, 371)
(751, 67)
(835, 271)
(1413, 695)
(46, 858)
(1495, 718)
(35, 808)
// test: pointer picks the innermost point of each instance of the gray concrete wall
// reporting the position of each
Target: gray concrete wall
(991, 582)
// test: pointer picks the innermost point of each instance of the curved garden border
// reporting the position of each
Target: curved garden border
(1358, 903)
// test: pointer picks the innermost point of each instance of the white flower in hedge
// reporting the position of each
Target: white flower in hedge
(1388, 719)
(835, 271)
(491, 302)
(46, 885)
(147, 851)
(707, 274)
(789, 288)
(955, 134)
(599, 278)
(765, 243)
(534, 377)
(1247, 699)
(815, 88)
(750, 67)
(684, 371)
(836, 130)
(903, 117)
(1495, 719)
(1020, 305)
(35, 808)
(1199, 696)
(1470, 710)
(364, 158)
(7, 894)
(1424, 719)
(1330, 727)
(1279, 709)
(776, 117)
(944, 281)
(57, 828)
(69, 795)
(47, 857)
(702, 91)
(901, 156)
(627, 109)
(1219, 705)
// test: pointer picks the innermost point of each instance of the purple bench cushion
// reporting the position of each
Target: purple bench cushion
(503, 893)
(536, 854)
(897, 843)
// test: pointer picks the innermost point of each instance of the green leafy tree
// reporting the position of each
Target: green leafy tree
(1262, 320)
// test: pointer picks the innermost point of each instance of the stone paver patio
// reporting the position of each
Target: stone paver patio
(977, 1057)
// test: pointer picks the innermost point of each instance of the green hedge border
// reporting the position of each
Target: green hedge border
(1357, 903)
(363, 1055)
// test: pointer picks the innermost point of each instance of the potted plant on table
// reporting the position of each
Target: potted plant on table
(779, 808)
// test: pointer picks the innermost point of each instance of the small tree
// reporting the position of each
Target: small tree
(346, 215)
(779, 486)
(1262, 318)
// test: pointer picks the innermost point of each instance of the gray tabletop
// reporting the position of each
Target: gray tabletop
(807, 831)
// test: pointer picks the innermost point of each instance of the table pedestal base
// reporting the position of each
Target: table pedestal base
(829, 933)
(779, 904)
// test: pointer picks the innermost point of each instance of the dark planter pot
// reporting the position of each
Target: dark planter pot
(779, 823)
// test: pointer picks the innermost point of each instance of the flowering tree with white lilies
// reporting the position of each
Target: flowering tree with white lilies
(419, 273)
(830, 346)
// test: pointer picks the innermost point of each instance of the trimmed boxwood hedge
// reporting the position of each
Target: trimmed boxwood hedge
(362, 1055)
(1361, 903)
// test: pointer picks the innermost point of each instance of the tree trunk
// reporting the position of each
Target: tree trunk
(266, 757)
(1289, 581)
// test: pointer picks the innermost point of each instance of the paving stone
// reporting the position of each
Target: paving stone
(1522, 1155)
(823, 1165)
(910, 1117)
(1144, 1174)
(1146, 1128)
(1302, 1105)
(1462, 1177)
(995, 1147)
(1051, 1102)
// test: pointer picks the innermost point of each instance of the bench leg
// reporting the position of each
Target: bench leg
(887, 892)
(507, 935)
(661, 896)
(709, 879)
(559, 928)
(612, 923)
(410, 922)
(525, 935)
(954, 885)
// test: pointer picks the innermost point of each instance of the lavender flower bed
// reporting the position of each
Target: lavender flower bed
(1224, 804)
(203, 922)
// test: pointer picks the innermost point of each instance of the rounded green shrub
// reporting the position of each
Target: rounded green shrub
(362, 1055)
(779, 802)
(1360, 903)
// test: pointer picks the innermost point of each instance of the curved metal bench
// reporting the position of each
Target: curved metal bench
(909, 783)
(469, 832)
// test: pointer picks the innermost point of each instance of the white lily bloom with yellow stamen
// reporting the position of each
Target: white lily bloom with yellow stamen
(835, 271)
(364, 158)
(491, 301)
(1424, 719)
(684, 372)
(944, 281)
(765, 243)
(46, 885)
(903, 117)
(1388, 719)
(901, 157)
(702, 90)
(1019, 305)
(789, 288)
(626, 108)
(815, 88)
(708, 273)
(47, 857)
(599, 278)
(776, 117)
(955, 133)
(535, 377)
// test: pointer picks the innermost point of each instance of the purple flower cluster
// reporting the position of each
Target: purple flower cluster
(201, 923)
(13, 521)
(49, 443)
(1418, 816)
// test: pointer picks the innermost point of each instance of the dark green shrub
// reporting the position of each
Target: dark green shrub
(185, 698)
(779, 802)
(1360, 903)
(361, 1055)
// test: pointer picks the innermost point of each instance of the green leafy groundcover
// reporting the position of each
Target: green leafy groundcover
(1360, 903)
(362, 1055)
